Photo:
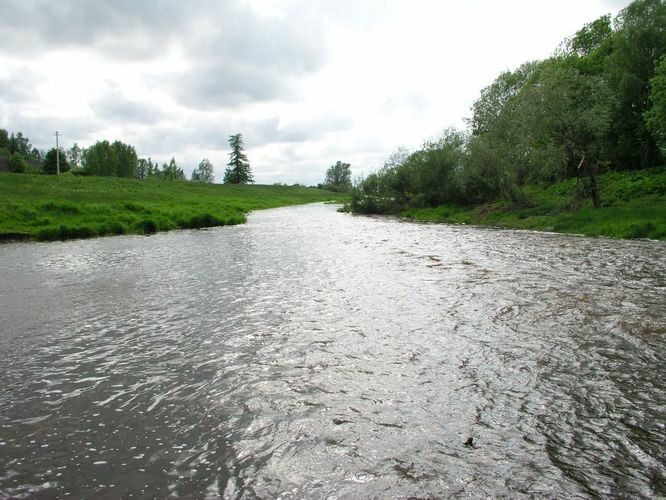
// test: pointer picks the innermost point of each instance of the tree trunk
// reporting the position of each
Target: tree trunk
(591, 185)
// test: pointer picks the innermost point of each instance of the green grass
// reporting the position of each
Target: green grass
(39, 207)
(633, 206)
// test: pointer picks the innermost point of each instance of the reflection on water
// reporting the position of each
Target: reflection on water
(314, 354)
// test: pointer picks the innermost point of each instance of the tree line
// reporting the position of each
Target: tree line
(597, 105)
(116, 159)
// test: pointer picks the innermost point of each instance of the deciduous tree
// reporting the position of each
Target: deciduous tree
(17, 163)
(50, 164)
(204, 172)
(338, 177)
(74, 156)
(106, 159)
(655, 117)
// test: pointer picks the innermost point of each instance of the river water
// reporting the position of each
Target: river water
(312, 354)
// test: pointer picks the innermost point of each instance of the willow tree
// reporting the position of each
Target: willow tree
(566, 116)
(238, 170)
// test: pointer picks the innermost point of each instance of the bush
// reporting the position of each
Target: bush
(17, 163)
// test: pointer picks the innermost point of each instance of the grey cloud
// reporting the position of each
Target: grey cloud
(41, 131)
(130, 29)
(233, 55)
(35, 26)
(115, 106)
(247, 58)
(303, 130)
(226, 85)
(17, 84)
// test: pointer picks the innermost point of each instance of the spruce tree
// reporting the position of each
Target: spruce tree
(238, 170)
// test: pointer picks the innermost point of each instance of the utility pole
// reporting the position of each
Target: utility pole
(57, 155)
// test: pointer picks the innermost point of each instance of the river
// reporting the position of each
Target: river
(313, 354)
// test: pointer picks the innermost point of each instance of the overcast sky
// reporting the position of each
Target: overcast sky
(307, 82)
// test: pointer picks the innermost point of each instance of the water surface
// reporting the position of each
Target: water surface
(314, 354)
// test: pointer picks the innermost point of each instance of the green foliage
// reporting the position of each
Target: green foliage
(655, 117)
(19, 144)
(4, 140)
(204, 172)
(110, 160)
(424, 178)
(17, 163)
(11, 143)
(52, 159)
(591, 38)
(338, 177)
(635, 208)
(598, 106)
(171, 171)
(238, 171)
(639, 43)
(67, 206)
(141, 168)
(74, 156)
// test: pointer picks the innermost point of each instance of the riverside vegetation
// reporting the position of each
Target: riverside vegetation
(45, 208)
(574, 143)
(633, 206)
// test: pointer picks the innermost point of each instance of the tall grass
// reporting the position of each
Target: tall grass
(48, 208)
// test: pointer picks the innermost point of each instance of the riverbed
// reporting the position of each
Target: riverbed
(314, 354)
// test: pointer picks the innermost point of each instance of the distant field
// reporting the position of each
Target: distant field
(633, 206)
(40, 207)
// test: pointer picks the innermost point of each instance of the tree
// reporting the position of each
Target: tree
(151, 169)
(19, 144)
(17, 163)
(591, 37)
(570, 113)
(500, 137)
(238, 171)
(50, 164)
(106, 159)
(126, 159)
(4, 139)
(172, 171)
(639, 43)
(141, 169)
(487, 109)
(74, 156)
(204, 172)
(655, 117)
(99, 159)
(338, 177)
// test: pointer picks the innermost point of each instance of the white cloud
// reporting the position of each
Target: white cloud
(307, 82)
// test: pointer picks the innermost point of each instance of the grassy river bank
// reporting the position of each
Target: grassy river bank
(46, 208)
(633, 206)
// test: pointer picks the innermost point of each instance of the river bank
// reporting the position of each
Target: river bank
(47, 208)
(633, 206)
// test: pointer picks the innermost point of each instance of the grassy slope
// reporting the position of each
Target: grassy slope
(48, 208)
(633, 206)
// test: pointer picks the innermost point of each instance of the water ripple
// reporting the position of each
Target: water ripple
(314, 354)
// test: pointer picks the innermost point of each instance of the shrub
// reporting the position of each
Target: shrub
(17, 163)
